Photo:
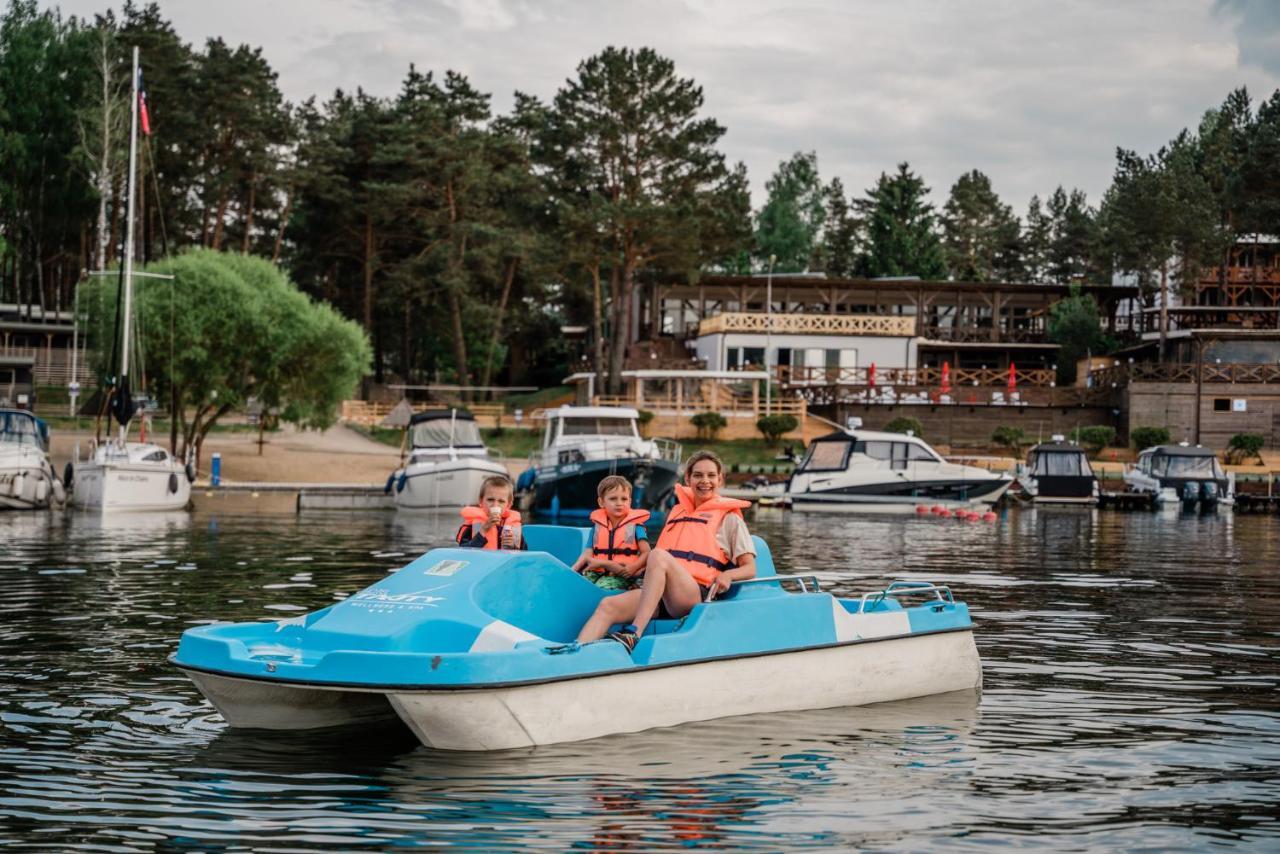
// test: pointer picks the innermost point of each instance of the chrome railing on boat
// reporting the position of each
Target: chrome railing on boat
(668, 450)
(940, 592)
(806, 583)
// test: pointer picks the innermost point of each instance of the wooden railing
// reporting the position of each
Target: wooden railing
(1185, 372)
(53, 365)
(910, 378)
(809, 324)
(726, 403)
(371, 414)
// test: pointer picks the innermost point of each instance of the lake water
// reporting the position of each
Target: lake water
(1130, 701)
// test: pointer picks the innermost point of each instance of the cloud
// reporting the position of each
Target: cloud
(1034, 93)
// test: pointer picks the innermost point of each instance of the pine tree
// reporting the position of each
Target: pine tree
(789, 224)
(900, 224)
(840, 235)
(980, 233)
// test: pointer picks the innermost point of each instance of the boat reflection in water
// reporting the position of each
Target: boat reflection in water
(701, 784)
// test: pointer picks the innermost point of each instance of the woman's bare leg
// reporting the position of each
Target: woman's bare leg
(619, 608)
(667, 581)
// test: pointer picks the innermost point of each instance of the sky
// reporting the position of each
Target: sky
(1034, 94)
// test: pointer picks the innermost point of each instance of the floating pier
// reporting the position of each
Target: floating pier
(1126, 500)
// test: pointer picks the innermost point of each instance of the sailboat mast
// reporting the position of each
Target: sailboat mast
(128, 232)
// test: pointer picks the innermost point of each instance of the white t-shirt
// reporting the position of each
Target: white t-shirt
(734, 538)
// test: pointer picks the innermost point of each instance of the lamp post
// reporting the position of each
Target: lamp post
(768, 337)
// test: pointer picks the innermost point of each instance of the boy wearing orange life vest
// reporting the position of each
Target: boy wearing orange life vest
(619, 545)
(703, 548)
(494, 524)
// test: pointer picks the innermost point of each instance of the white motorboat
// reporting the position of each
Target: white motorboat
(581, 445)
(1058, 472)
(867, 471)
(1181, 474)
(447, 464)
(27, 478)
(121, 475)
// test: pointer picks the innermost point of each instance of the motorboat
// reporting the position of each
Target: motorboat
(124, 476)
(856, 470)
(583, 444)
(120, 474)
(447, 464)
(27, 478)
(1058, 472)
(1181, 474)
(474, 650)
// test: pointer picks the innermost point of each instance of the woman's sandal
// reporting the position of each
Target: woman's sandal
(627, 637)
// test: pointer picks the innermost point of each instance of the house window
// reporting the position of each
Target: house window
(1222, 404)
(753, 356)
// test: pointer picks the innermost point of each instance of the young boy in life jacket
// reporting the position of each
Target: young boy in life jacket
(703, 548)
(494, 524)
(619, 545)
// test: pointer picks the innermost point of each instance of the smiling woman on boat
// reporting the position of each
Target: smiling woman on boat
(704, 548)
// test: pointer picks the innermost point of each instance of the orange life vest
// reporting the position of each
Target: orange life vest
(611, 543)
(473, 523)
(690, 533)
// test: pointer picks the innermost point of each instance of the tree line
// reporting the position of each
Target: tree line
(461, 240)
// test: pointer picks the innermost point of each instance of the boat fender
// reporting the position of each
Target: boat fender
(404, 478)
(59, 491)
(173, 482)
(69, 475)
(191, 472)
(42, 490)
(17, 485)
(391, 479)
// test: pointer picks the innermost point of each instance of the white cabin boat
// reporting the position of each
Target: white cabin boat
(868, 471)
(130, 476)
(1058, 472)
(27, 478)
(447, 464)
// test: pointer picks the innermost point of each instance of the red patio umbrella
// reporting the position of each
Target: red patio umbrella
(871, 375)
(1013, 377)
(946, 378)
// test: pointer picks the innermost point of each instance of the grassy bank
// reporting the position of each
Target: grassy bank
(158, 426)
(507, 443)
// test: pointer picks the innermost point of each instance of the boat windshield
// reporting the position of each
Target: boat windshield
(826, 456)
(1061, 464)
(19, 428)
(597, 427)
(446, 432)
(1171, 466)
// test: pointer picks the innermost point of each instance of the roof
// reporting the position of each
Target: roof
(592, 412)
(930, 343)
(869, 436)
(1060, 447)
(437, 414)
(1181, 451)
(676, 374)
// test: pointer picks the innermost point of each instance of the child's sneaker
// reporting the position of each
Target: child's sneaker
(627, 637)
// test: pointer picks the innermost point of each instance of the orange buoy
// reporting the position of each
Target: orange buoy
(939, 509)
(944, 512)
(920, 508)
(989, 516)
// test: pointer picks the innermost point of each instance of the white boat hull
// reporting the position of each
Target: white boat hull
(254, 704)
(891, 503)
(129, 486)
(28, 483)
(449, 483)
(852, 674)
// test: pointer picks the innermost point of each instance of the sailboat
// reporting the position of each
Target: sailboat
(121, 475)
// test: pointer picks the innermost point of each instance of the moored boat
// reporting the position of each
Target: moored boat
(27, 478)
(1058, 472)
(1181, 474)
(474, 650)
(581, 445)
(447, 464)
(868, 471)
(123, 476)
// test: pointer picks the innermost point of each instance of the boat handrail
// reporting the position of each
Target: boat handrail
(898, 588)
(668, 449)
(802, 581)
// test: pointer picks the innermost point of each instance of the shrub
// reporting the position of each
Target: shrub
(773, 426)
(1009, 437)
(1243, 446)
(644, 416)
(1148, 437)
(1093, 439)
(905, 424)
(708, 424)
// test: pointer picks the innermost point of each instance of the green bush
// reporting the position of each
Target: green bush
(905, 424)
(1243, 446)
(709, 424)
(1009, 437)
(1093, 439)
(773, 426)
(1148, 437)
(644, 416)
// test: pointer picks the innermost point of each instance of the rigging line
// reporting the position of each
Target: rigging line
(155, 184)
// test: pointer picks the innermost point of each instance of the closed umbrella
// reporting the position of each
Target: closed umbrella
(946, 378)
(1013, 378)
(871, 375)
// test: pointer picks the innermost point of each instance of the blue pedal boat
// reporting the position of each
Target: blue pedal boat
(474, 650)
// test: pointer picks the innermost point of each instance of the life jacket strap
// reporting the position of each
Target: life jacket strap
(614, 551)
(701, 558)
(679, 519)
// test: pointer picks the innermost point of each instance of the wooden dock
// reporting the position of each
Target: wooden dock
(1108, 500)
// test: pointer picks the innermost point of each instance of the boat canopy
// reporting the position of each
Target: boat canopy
(831, 452)
(445, 428)
(17, 426)
(1182, 461)
(1059, 460)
